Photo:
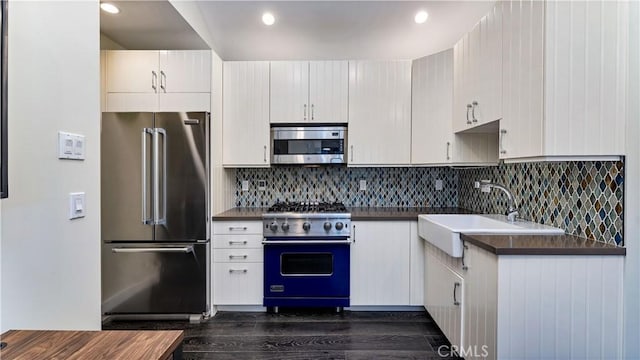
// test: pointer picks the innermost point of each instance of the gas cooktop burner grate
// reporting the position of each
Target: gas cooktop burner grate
(307, 207)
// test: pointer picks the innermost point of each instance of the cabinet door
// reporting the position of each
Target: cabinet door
(132, 71)
(431, 109)
(486, 55)
(185, 71)
(417, 266)
(290, 92)
(481, 299)
(379, 113)
(444, 298)
(329, 91)
(132, 80)
(237, 283)
(380, 256)
(522, 79)
(246, 114)
(461, 112)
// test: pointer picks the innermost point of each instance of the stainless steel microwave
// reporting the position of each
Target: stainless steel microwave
(308, 145)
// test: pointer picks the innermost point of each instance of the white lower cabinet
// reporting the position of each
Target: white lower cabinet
(526, 306)
(380, 253)
(237, 263)
(444, 298)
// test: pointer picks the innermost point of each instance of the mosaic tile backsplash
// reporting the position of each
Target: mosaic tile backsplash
(391, 187)
(584, 198)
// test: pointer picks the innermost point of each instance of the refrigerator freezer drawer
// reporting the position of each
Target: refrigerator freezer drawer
(153, 278)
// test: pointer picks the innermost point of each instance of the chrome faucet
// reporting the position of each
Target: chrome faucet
(512, 211)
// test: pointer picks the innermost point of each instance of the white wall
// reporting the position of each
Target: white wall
(51, 265)
(632, 192)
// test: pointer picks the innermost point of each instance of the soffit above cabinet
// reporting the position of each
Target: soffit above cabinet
(149, 25)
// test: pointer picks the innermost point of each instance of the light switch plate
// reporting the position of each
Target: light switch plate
(439, 185)
(70, 146)
(77, 206)
(245, 185)
(363, 185)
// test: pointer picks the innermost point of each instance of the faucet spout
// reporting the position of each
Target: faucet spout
(512, 211)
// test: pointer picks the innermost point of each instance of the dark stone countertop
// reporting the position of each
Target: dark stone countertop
(399, 213)
(357, 213)
(542, 245)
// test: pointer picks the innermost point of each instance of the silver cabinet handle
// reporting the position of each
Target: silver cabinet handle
(448, 145)
(468, 108)
(455, 287)
(265, 153)
(163, 84)
(184, 250)
(237, 228)
(158, 189)
(312, 112)
(354, 234)
(240, 271)
(145, 215)
(305, 112)
(503, 132)
(235, 242)
(473, 111)
(352, 153)
(231, 257)
(154, 81)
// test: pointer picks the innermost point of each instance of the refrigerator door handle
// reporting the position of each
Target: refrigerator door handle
(182, 249)
(145, 216)
(158, 219)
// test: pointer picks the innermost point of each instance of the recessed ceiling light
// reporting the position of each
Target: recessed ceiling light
(421, 17)
(268, 18)
(110, 8)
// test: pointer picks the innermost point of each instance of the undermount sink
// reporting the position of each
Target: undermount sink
(443, 230)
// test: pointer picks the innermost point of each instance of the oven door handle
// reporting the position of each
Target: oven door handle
(308, 242)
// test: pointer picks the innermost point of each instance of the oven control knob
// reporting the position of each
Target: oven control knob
(339, 226)
(285, 226)
(327, 226)
(306, 226)
(274, 226)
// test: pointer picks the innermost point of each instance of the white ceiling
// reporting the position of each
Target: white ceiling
(303, 30)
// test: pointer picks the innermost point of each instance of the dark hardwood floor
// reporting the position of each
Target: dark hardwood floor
(306, 334)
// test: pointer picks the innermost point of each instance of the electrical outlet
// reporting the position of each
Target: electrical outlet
(262, 185)
(439, 185)
(363, 185)
(483, 186)
(245, 185)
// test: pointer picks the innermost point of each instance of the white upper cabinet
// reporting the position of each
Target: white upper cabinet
(564, 79)
(431, 109)
(478, 73)
(379, 113)
(245, 114)
(303, 91)
(145, 80)
(432, 138)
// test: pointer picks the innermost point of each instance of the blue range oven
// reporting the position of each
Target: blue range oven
(306, 272)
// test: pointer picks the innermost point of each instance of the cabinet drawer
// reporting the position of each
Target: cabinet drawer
(237, 284)
(237, 227)
(237, 241)
(237, 255)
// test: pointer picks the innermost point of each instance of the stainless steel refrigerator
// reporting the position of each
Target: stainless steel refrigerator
(155, 214)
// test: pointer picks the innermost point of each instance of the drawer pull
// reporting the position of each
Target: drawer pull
(235, 242)
(238, 271)
(237, 228)
(231, 257)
